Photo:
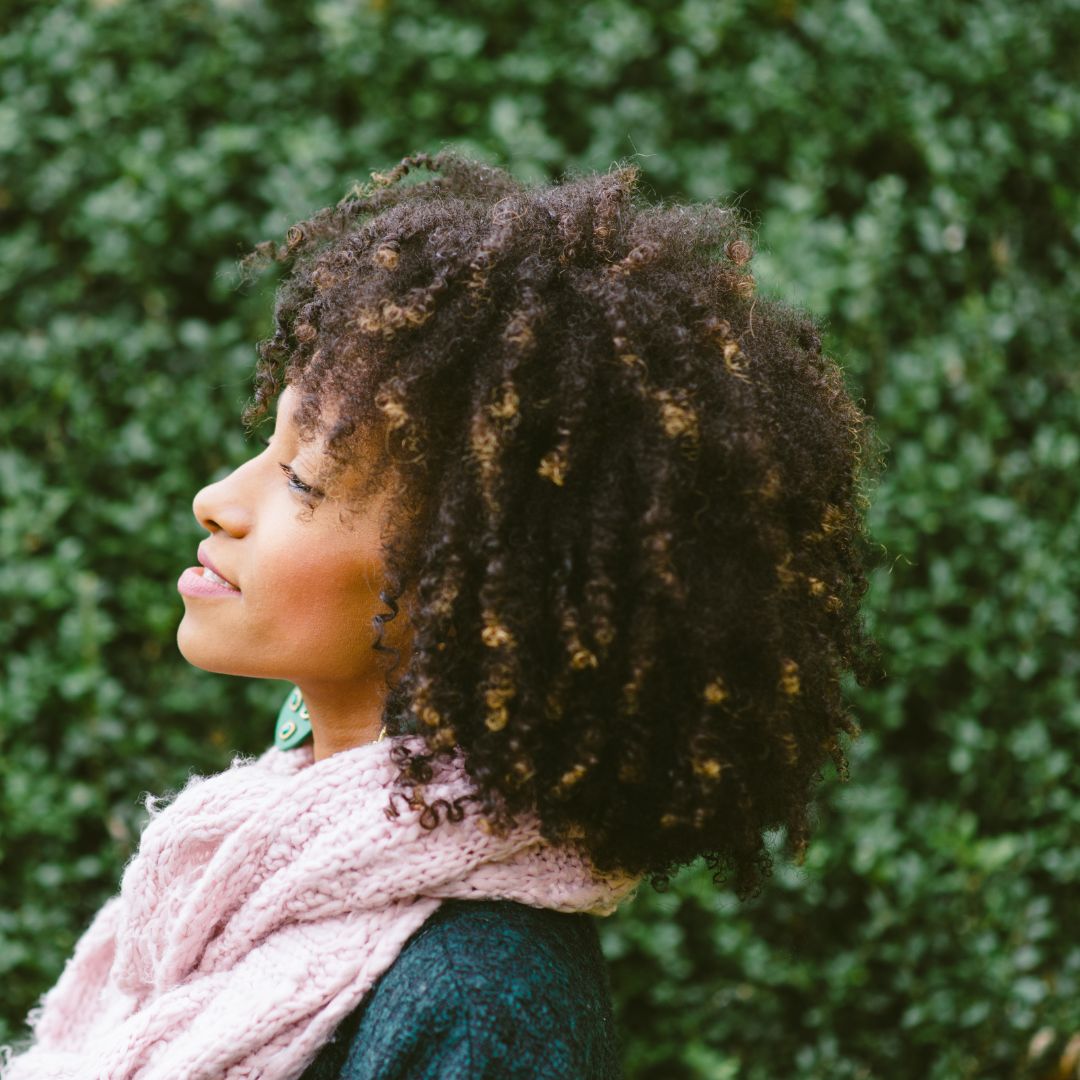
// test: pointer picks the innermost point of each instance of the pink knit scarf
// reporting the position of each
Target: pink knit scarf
(262, 903)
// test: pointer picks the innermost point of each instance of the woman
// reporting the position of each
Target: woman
(610, 499)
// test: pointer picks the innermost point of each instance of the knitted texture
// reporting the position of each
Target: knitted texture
(484, 990)
(261, 906)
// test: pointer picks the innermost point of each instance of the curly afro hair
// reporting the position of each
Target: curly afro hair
(626, 527)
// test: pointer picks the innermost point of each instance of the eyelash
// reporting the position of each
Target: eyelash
(294, 481)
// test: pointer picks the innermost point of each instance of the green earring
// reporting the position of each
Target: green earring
(293, 722)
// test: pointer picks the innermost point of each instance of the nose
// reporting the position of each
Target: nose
(219, 506)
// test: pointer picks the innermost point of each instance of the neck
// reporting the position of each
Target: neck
(343, 715)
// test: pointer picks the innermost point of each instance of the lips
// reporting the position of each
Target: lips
(205, 560)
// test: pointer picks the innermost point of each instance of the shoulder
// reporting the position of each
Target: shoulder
(508, 946)
(489, 988)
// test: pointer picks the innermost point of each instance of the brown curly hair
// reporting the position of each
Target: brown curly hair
(627, 525)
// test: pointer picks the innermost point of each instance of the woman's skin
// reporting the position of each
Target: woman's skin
(308, 591)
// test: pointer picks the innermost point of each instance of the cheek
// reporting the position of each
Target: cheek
(326, 604)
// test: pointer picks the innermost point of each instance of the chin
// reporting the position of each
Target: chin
(207, 651)
(195, 650)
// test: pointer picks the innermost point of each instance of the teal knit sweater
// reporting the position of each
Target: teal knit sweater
(484, 990)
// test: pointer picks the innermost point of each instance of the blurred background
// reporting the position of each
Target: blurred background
(912, 170)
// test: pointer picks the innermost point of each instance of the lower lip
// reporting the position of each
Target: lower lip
(192, 583)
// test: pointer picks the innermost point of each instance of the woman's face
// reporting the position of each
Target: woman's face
(308, 586)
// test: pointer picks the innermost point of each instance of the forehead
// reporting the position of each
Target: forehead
(287, 402)
(288, 408)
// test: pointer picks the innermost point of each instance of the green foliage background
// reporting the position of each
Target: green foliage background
(914, 172)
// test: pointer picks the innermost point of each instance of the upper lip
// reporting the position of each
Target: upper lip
(205, 560)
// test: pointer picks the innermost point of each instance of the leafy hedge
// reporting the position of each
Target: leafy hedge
(916, 176)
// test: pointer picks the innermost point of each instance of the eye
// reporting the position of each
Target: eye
(295, 482)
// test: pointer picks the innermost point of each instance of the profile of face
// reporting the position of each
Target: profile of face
(308, 583)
